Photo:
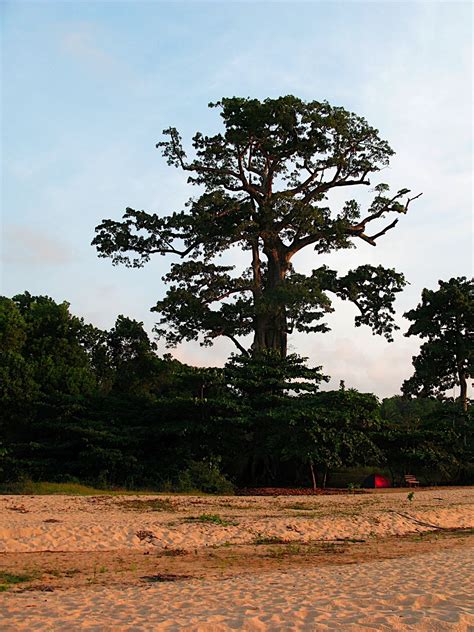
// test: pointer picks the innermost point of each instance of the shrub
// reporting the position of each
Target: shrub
(204, 476)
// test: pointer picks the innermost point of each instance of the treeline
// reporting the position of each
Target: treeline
(82, 404)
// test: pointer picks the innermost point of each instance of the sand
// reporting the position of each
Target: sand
(205, 563)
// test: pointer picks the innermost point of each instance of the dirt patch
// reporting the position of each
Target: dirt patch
(48, 571)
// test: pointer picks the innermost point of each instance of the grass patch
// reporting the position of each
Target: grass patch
(460, 532)
(446, 533)
(155, 504)
(299, 507)
(333, 547)
(271, 539)
(31, 488)
(285, 551)
(46, 488)
(174, 552)
(212, 519)
(165, 577)
(10, 579)
(54, 572)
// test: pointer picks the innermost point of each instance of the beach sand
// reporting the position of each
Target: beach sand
(375, 561)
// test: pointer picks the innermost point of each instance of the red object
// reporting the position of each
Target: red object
(376, 480)
(381, 481)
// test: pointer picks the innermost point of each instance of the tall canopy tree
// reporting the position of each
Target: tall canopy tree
(264, 184)
(445, 317)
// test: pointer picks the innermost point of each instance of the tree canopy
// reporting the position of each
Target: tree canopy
(79, 403)
(445, 318)
(264, 183)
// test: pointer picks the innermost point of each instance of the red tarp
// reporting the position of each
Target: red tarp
(376, 480)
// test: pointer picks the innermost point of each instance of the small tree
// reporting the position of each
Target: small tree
(426, 435)
(331, 429)
(269, 391)
(444, 317)
(265, 183)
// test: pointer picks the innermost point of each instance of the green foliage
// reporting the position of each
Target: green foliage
(284, 419)
(136, 368)
(53, 347)
(204, 477)
(445, 318)
(154, 504)
(264, 540)
(266, 377)
(121, 417)
(46, 488)
(423, 434)
(332, 429)
(10, 579)
(353, 486)
(212, 519)
(16, 373)
(264, 186)
(266, 390)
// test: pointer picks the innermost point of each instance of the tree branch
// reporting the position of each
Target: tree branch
(296, 246)
(411, 200)
(386, 207)
(239, 290)
(237, 344)
(174, 251)
(304, 185)
(203, 169)
(326, 186)
(382, 232)
(358, 229)
(247, 186)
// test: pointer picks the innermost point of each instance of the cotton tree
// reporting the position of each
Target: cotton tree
(263, 186)
(445, 318)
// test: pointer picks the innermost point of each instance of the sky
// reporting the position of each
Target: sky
(88, 87)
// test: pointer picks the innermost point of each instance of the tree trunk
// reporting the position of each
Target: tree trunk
(313, 475)
(463, 399)
(463, 394)
(270, 322)
(271, 334)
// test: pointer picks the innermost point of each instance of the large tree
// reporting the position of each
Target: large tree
(263, 187)
(54, 346)
(445, 318)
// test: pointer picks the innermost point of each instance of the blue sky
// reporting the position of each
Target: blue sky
(88, 87)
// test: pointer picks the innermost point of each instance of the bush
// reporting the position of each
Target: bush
(204, 476)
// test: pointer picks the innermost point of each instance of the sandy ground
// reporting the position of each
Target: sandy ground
(376, 561)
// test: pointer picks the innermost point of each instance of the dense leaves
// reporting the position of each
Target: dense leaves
(445, 318)
(264, 185)
(428, 436)
(79, 403)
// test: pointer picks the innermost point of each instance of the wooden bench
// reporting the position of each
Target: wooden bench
(411, 481)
